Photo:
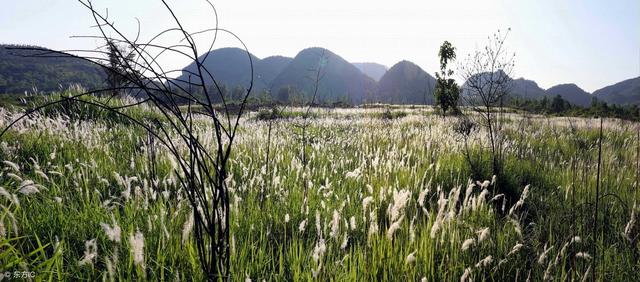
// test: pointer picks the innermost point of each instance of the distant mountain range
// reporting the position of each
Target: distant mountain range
(403, 83)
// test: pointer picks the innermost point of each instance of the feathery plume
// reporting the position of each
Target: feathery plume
(345, 241)
(543, 257)
(113, 233)
(27, 187)
(302, 226)
(352, 223)
(483, 234)
(137, 248)
(515, 249)
(411, 258)
(468, 244)
(466, 275)
(187, 227)
(90, 252)
(484, 262)
(335, 225)
(394, 227)
(14, 166)
(583, 255)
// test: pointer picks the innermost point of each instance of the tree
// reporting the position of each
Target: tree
(557, 104)
(283, 94)
(488, 81)
(447, 91)
(120, 65)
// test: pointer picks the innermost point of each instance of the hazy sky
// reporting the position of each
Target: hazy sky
(590, 43)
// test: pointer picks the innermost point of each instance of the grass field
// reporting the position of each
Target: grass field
(390, 197)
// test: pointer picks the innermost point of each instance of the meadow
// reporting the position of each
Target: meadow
(390, 196)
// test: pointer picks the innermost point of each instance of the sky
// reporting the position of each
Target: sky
(590, 43)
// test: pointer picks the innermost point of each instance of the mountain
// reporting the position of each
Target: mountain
(20, 71)
(625, 92)
(572, 93)
(406, 83)
(373, 70)
(340, 79)
(228, 66)
(269, 67)
(526, 89)
(519, 88)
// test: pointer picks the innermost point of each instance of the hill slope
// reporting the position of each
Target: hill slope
(269, 67)
(572, 93)
(340, 79)
(406, 83)
(373, 70)
(526, 89)
(229, 66)
(624, 92)
(20, 73)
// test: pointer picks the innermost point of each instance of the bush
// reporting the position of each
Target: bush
(388, 114)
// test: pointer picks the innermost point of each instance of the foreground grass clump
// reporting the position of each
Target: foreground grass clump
(388, 199)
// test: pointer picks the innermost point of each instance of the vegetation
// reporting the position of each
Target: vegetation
(165, 179)
(560, 107)
(20, 72)
(387, 200)
(447, 91)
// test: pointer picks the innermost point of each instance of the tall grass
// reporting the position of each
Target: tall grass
(389, 199)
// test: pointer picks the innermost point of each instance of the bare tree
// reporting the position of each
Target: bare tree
(201, 170)
(487, 73)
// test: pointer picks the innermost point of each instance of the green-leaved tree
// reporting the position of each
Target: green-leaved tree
(447, 91)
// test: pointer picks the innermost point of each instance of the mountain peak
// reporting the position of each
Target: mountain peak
(406, 83)
(572, 93)
(341, 79)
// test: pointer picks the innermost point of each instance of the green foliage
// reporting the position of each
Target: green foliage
(21, 72)
(447, 91)
(560, 107)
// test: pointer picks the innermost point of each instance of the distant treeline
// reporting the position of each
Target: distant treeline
(561, 107)
(289, 95)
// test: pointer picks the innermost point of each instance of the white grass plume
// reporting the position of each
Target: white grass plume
(14, 166)
(302, 226)
(411, 258)
(90, 252)
(187, 227)
(468, 244)
(483, 234)
(113, 233)
(484, 262)
(137, 248)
